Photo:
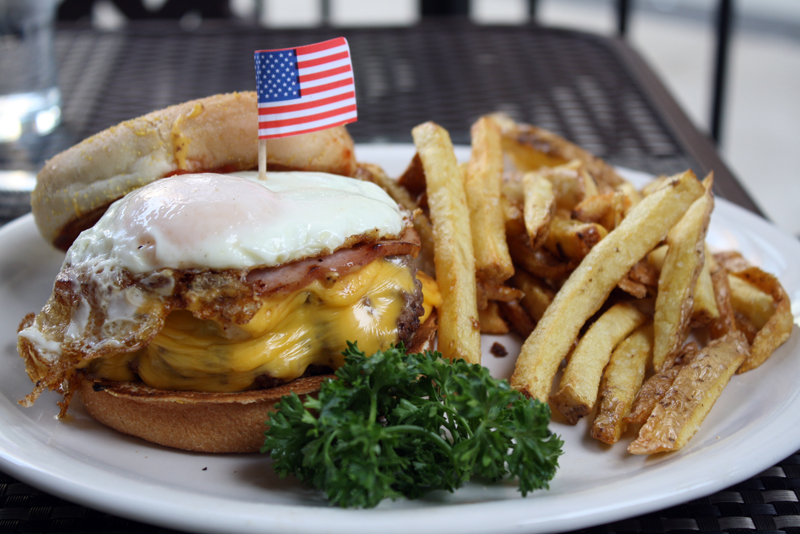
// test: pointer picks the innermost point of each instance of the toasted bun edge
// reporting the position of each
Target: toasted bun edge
(213, 134)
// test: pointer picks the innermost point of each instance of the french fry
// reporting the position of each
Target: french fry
(607, 209)
(654, 185)
(696, 388)
(539, 262)
(491, 319)
(537, 296)
(641, 280)
(731, 260)
(630, 194)
(726, 322)
(459, 325)
(483, 185)
(517, 317)
(704, 305)
(539, 207)
(488, 292)
(751, 302)
(778, 327)
(592, 281)
(622, 379)
(531, 148)
(571, 184)
(655, 387)
(571, 239)
(577, 392)
(682, 265)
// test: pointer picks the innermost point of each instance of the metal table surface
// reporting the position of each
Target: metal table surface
(593, 90)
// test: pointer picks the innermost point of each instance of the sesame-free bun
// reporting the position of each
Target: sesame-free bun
(190, 420)
(213, 134)
(203, 421)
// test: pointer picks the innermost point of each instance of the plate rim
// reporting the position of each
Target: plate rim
(435, 517)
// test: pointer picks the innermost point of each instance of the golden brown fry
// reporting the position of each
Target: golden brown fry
(655, 387)
(655, 185)
(532, 148)
(606, 210)
(483, 184)
(539, 262)
(676, 418)
(422, 224)
(577, 392)
(487, 292)
(571, 239)
(726, 322)
(502, 293)
(539, 207)
(731, 260)
(704, 306)
(630, 195)
(640, 281)
(779, 326)
(492, 321)
(537, 295)
(749, 301)
(459, 326)
(517, 317)
(622, 379)
(682, 265)
(593, 280)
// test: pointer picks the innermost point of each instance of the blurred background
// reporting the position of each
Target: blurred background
(759, 127)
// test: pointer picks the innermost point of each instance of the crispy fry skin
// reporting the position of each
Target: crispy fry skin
(577, 392)
(748, 300)
(492, 321)
(571, 239)
(459, 325)
(531, 148)
(517, 317)
(682, 266)
(593, 280)
(657, 385)
(484, 178)
(539, 207)
(726, 322)
(704, 308)
(537, 296)
(679, 414)
(539, 262)
(621, 381)
(779, 326)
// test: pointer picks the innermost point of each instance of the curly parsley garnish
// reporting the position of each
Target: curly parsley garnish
(400, 425)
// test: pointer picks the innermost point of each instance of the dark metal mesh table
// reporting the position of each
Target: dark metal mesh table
(592, 90)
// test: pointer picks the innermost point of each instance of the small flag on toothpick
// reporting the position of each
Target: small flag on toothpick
(303, 90)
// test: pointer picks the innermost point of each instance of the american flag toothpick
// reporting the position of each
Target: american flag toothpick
(302, 90)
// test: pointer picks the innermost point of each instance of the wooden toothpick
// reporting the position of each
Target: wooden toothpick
(262, 159)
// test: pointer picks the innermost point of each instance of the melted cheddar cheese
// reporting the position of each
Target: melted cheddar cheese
(310, 326)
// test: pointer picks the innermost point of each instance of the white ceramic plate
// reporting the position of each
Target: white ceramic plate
(752, 427)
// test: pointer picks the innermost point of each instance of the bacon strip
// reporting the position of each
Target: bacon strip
(293, 276)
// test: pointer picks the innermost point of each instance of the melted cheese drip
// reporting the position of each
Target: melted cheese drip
(290, 332)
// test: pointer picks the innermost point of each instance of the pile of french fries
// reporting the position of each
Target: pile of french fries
(628, 317)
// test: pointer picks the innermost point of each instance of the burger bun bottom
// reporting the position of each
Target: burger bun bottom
(202, 421)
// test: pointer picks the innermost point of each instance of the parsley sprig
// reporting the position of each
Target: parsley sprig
(400, 425)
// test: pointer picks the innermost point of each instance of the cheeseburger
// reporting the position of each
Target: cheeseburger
(186, 307)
